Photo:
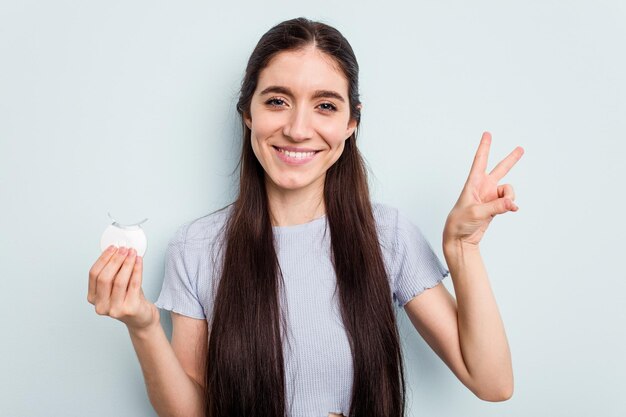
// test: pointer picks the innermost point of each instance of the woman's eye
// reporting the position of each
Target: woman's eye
(328, 107)
(275, 102)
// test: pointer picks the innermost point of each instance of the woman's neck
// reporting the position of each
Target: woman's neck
(292, 207)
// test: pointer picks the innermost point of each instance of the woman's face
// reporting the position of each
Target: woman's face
(299, 119)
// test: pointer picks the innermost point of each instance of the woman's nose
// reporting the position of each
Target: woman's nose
(299, 127)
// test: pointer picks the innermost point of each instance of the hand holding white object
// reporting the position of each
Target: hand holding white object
(115, 278)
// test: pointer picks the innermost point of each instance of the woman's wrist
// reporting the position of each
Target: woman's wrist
(457, 247)
(144, 332)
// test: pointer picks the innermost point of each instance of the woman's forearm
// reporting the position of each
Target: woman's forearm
(482, 336)
(171, 391)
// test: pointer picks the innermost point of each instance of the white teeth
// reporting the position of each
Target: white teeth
(297, 155)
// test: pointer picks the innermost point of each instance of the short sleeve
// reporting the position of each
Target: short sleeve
(418, 267)
(179, 292)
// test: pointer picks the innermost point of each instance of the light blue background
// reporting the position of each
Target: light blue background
(129, 107)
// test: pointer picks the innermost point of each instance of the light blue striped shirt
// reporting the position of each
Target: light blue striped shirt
(318, 360)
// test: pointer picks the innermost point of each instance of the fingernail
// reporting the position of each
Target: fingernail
(132, 252)
(123, 251)
(110, 248)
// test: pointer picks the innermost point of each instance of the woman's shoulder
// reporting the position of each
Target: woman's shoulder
(386, 218)
(391, 223)
(385, 215)
(203, 229)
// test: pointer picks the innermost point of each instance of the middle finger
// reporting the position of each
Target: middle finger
(120, 284)
(506, 164)
(107, 275)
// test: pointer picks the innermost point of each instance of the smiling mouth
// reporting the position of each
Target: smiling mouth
(295, 154)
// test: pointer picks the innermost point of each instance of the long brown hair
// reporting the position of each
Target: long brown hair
(244, 367)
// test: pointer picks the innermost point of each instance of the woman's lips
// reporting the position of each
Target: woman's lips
(295, 156)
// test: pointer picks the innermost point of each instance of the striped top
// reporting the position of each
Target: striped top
(318, 359)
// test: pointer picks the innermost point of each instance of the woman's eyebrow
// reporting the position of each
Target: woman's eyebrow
(277, 89)
(328, 94)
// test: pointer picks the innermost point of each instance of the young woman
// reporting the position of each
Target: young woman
(282, 303)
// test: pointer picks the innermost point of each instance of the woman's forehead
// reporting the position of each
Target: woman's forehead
(303, 71)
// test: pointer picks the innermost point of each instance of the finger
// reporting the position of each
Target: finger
(134, 286)
(506, 164)
(105, 280)
(482, 155)
(120, 283)
(95, 271)
(506, 191)
(498, 206)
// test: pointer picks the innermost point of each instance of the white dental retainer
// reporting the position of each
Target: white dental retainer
(126, 235)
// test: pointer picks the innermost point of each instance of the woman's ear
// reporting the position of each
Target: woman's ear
(351, 128)
(352, 124)
(247, 120)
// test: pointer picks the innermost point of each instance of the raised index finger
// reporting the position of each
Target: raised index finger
(482, 155)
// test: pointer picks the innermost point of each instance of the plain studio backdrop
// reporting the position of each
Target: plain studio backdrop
(129, 107)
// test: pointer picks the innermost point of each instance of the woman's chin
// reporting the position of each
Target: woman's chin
(294, 184)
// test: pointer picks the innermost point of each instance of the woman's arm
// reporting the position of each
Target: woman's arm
(470, 336)
(483, 365)
(171, 389)
(483, 341)
(115, 291)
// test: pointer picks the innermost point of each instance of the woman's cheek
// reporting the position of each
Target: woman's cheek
(257, 150)
(333, 134)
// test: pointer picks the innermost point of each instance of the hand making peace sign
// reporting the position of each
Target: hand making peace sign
(482, 198)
